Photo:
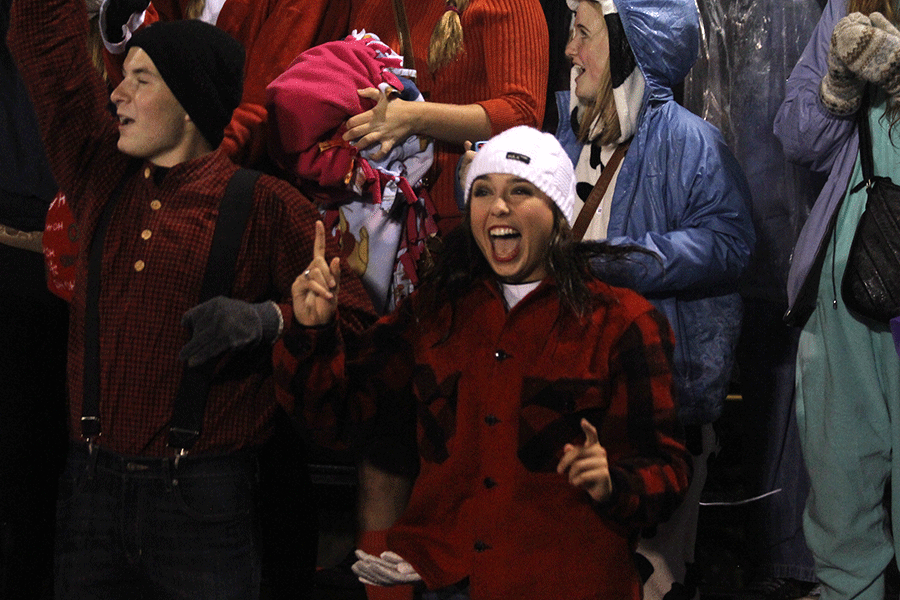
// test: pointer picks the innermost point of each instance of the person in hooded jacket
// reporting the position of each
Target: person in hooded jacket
(848, 377)
(678, 193)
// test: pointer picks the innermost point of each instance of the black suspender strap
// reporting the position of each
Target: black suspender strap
(218, 279)
(90, 409)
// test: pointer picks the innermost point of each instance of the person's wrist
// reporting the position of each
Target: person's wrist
(271, 320)
(415, 121)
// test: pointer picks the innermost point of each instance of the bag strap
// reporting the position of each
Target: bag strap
(218, 279)
(596, 195)
(90, 387)
(865, 139)
(402, 25)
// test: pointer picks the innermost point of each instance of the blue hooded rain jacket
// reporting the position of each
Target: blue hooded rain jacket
(681, 194)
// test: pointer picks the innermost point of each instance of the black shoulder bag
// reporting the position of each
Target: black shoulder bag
(871, 283)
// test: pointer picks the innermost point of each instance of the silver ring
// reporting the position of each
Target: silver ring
(306, 274)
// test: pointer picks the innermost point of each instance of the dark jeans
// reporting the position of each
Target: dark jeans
(771, 444)
(141, 528)
(459, 591)
(32, 422)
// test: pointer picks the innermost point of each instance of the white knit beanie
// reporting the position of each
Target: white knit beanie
(532, 155)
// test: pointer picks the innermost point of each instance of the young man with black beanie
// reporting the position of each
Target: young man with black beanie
(136, 517)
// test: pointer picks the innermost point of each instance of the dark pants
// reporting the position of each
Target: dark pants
(142, 528)
(33, 325)
(771, 444)
(459, 591)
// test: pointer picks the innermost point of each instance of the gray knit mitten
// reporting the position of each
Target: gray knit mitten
(841, 89)
(870, 47)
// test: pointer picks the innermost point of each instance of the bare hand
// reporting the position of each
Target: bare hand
(387, 569)
(387, 123)
(315, 291)
(465, 161)
(586, 465)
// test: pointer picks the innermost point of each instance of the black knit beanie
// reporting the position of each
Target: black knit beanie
(202, 65)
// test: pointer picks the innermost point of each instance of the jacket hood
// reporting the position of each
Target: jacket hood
(665, 38)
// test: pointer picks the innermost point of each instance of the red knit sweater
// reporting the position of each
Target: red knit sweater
(503, 67)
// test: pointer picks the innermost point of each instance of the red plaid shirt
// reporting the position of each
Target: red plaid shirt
(156, 250)
(486, 411)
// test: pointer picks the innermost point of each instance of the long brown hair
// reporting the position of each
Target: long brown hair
(885, 7)
(867, 7)
(447, 38)
(459, 265)
(603, 104)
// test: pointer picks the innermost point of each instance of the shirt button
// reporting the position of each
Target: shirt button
(481, 546)
(489, 483)
(500, 355)
(156, 205)
(491, 420)
(139, 266)
(145, 234)
(147, 173)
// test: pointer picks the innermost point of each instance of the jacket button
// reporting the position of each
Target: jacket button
(491, 420)
(500, 355)
(489, 483)
(481, 546)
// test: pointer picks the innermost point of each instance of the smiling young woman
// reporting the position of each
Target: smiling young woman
(510, 381)
(512, 222)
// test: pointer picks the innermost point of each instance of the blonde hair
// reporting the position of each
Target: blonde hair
(194, 9)
(604, 105)
(447, 38)
(95, 46)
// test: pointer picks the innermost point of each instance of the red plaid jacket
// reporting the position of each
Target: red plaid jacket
(485, 413)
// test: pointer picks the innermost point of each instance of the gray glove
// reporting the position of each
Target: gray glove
(870, 48)
(841, 89)
(388, 569)
(222, 324)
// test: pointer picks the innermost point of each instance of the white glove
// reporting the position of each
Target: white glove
(388, 569)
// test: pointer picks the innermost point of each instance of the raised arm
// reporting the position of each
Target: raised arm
(48, 39)
(512, 38)
(809, 133)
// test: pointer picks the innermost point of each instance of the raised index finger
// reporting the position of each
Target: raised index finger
(319, 245)
(590, 433)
